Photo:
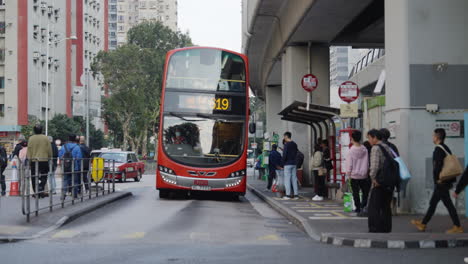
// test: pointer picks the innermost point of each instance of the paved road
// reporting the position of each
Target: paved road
(206, 229)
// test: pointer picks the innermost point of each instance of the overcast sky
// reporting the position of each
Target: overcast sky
(215, 23)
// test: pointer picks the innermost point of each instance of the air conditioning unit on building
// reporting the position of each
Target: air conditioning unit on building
(50, 10)
(86, 35)
(36, 55)
(51, 60)
(85, 16)
(43, 6)
(43, 58)
(56, 63)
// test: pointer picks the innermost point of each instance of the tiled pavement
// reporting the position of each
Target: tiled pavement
(326, 221)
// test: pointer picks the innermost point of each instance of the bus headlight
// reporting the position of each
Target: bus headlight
(239, 173)
(166, 170)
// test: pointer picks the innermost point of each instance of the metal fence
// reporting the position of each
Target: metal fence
(371, 56)
(50, 184)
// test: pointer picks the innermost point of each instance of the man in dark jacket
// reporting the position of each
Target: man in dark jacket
(441, 190)
(290, 167)
(274, 164)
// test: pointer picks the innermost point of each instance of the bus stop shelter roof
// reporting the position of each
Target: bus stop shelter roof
(297, 112)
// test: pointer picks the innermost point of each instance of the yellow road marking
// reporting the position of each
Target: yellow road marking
(65, 234)
(12, 229)
(135, 235)
(269, 238)
(317, 211)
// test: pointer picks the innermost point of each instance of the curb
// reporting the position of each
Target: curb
(67, 219)
(393, 244)
(298, 220)
(339, 240)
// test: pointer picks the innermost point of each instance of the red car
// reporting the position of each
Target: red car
(127, 165)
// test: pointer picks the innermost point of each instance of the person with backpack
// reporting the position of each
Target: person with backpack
(385, 136)
(70, 156)
(86, 161)
(3, 165)
(385, 176)
(441, 189)
(290, 167)
(357, 168)
(274, 165)
(39, 154)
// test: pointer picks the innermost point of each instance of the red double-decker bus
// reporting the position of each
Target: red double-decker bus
(203, 132)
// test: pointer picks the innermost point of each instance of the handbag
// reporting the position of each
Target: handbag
(452, 167)
(322, 171)
(405, 174)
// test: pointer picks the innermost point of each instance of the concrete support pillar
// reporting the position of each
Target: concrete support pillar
(426, 63)
(273, 107)
(295, 64)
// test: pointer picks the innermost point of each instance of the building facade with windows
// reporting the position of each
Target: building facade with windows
(125, 14)
(45, 43)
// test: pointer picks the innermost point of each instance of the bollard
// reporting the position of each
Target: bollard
(14, 184)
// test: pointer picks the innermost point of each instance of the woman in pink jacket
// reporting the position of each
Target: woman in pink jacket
(357, 167)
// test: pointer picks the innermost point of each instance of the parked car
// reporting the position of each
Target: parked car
(127, 165)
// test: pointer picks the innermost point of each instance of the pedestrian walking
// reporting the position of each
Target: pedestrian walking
(319, 173)
(39, 155)
(23, 153)
(86, 152)
(327, 162)
(379, 208)
(274, 165)
(54, 161)
(290, 167)
(441, 189)
(70, 155)
(3, 165)
(357, 168)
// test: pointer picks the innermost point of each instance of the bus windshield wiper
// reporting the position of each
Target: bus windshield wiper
(183, 118)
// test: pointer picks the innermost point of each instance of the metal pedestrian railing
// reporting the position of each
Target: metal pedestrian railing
(54, 183)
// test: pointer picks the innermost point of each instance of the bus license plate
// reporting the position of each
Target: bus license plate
(201, 188)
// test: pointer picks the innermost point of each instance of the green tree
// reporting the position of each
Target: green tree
(134, 75)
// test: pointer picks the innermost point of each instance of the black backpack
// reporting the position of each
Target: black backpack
(67, 159)
(389, 175)
(299, 159)
(3, 158)
(86, 156)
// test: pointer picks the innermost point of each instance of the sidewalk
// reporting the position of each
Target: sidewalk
(14, 227)
(326, 222)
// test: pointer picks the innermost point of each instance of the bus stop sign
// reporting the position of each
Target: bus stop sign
(309, 82)
(348, 91)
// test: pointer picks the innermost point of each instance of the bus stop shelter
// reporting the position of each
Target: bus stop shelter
(320, 119)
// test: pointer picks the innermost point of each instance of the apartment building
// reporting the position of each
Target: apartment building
(47, 46)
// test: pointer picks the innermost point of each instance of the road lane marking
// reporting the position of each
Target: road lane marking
(12, 229)
(136, 235)
(65, 234)
(269, 238)
(200, 236)
(317, 211)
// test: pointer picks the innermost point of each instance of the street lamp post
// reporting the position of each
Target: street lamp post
(47, 74)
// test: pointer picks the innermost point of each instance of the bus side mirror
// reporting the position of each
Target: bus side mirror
(252, 128)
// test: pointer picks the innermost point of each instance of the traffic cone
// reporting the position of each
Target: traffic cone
(14, 184)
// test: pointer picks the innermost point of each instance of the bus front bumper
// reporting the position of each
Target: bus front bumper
(201, 184)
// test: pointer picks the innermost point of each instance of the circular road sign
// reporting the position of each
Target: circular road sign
(348, 91)
(309, 82)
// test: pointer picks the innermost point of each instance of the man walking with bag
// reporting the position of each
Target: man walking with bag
(441, 189)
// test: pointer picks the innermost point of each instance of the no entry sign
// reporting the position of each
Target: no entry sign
(348, 91)
(309, 82)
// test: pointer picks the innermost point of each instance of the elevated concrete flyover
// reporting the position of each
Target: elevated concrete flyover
(271, 26)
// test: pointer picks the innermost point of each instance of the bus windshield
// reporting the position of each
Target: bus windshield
(204, 141)
(206, 69)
